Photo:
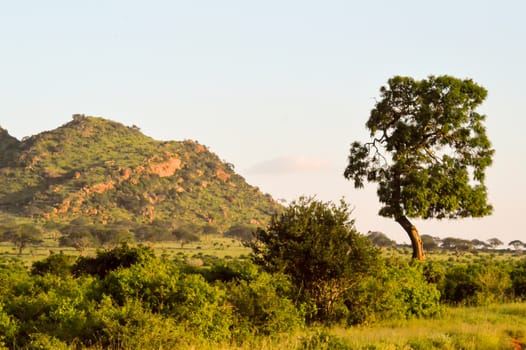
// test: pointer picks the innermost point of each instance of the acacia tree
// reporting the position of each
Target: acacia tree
(428, 152)
(517, 244)
(495, 242)
(22, 235)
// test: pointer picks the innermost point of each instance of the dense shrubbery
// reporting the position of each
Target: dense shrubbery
(309, 267)
(475, 283)
(518, 279)
(127, 297)
(398, 290)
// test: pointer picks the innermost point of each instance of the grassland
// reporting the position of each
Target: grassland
(471, 328)
(497, 326)
(213, 245)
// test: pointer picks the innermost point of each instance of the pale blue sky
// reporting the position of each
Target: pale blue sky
(278, 88)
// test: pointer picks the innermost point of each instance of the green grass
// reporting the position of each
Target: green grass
(493, 327)
(221, 247)
(213, 245)
(490, 327)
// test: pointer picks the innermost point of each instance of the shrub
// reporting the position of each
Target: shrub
(186, 298)
(240, 232)
(399, 290)
(518, 279)
(476, 284)
(263, 306)
(227, 270)
(57, 264)
(109, 260)
(316, 244)
(51, 305)
(8, 328)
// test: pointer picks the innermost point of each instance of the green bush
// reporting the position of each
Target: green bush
(478, 283)
(109, 260)
(51, 305)
(12, 272)
(132, 326)
(226, 271)
(57, 264)
(518, 279)
(317, 245)
(399, 290)
(186, 298)
(8, 327)
(263, 306)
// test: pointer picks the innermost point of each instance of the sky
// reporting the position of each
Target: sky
(280, 89)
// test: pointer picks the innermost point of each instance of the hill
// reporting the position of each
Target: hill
(104, 172)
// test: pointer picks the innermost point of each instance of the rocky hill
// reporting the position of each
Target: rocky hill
(105, 172)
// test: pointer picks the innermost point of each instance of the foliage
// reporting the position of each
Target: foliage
(517, 244)
(109, 260)
(430, 243)
(157, 230)
(428, 152)
(149, 302)
(263, 305)
(397, 291)
(495, 242)
(56, 264)
(242, 232)
(518, 279)
(186, 298)
(476, 283)
(456, 244)
(186, 233)
(317, 245)
(80, 240)
(380, 239)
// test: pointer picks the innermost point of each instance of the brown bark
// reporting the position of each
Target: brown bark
(416, 241)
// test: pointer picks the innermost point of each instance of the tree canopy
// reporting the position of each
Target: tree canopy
(428, 152)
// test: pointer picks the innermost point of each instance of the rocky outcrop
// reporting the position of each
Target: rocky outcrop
(166, 168)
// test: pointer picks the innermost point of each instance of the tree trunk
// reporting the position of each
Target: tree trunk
(416, 241)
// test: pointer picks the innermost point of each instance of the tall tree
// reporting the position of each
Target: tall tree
(428, 152)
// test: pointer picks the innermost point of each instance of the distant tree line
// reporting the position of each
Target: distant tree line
(82, 234)
(434, 243)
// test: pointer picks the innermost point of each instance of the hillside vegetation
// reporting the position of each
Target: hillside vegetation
(103, 172)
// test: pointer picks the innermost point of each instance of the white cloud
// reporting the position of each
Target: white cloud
(290, 164)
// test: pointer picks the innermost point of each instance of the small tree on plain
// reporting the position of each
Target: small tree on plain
(430, 243)
(22, 235)
(495, 242)
(380, 239)
(516, 244)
